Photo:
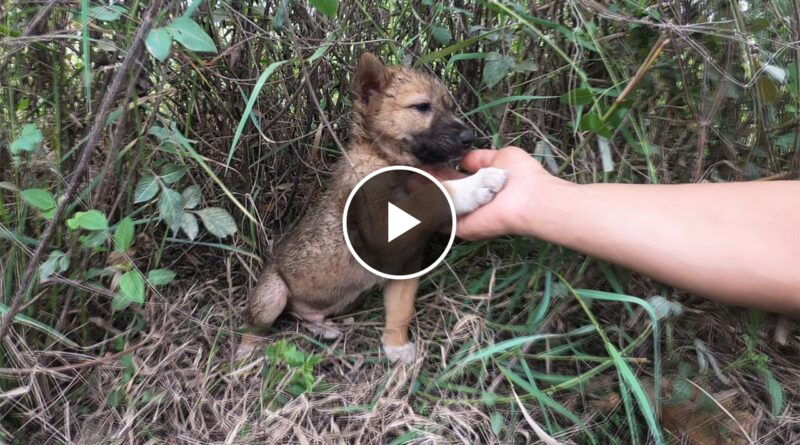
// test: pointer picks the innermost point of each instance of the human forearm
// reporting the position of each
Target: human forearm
(737, 242)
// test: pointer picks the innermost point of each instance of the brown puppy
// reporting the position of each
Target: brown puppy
(400, 117)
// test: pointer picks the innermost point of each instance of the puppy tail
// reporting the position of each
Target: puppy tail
(268, 298)
(266, 302)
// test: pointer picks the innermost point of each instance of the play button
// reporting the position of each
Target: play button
(399, 222)
(394, 231)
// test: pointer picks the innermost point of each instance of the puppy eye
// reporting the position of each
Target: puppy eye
(423, 107)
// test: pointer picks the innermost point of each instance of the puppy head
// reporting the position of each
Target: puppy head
(407, 114)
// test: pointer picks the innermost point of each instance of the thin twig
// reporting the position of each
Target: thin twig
(116, 139)
(643, 69)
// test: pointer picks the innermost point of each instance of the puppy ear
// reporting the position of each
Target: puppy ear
(370, 77)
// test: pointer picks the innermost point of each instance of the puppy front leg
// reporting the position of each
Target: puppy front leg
(472, 192)
(398, 299)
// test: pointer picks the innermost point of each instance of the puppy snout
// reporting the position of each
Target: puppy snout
(466, 137)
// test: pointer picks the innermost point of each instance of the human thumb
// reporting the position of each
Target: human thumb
(477, 159)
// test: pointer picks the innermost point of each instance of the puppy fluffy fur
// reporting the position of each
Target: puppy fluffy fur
(400, 116)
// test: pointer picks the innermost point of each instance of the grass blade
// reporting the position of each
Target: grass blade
(249, 107)
(38, 325)
(545, 400)
(85, 53)
(505, 100)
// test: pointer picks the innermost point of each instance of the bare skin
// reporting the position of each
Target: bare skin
(737, 243)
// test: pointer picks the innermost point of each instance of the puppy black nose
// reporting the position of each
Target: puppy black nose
(466, 137)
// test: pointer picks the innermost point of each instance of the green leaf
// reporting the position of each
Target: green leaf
(160, 277)
(189, 225)
(40, 198)
(775, 391)
(89, 220)
(117, 396)
(170, 208)
(160, 132)
(177, 137)
(123, 235)
(131, 286)
(497, 423)
(441, 34)
(193, 5)
(106, 13)
(146, 189)
(94, 239)
(464, 56)
(526, 65)
(172, 173)
(127, 362)
(57, 262)
(28, 140)
(326, 7)
(158, 42)
(592, 122)
(218, 221)
(785, 142)
(114, 116)
(460, 46)
(191, 35)
(119, 302)
(63, 263)
(495, 69)
(759, 24)
(191, 197)
(319, 52)
(578, 96)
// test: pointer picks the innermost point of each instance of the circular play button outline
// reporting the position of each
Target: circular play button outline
(452, 226)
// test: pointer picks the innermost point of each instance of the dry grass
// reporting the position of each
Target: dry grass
(186, 389)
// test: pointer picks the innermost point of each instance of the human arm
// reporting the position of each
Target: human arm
(738, 243)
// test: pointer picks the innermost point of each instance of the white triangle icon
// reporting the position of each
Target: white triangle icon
(400, 222)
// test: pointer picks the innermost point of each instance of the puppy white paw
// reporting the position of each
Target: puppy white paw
(406, 353)
(472, 192)
(324, 330)
(492, 181)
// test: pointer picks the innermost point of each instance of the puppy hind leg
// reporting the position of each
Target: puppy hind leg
(265, 303)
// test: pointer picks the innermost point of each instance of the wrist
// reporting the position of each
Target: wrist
(547, 209)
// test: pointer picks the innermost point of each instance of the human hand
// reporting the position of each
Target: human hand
(511, 211)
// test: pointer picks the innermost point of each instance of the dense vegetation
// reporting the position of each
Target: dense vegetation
(152, 152)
